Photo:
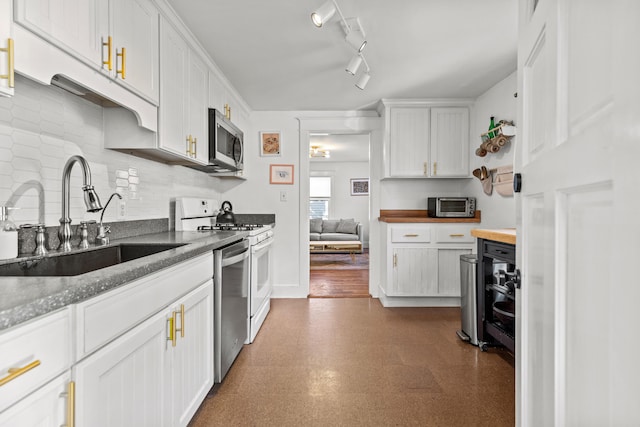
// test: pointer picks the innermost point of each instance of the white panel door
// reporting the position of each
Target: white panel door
(124, 383)
(409, 142)
(76, 26)
(6, 68)
(134, 26)
(191, 370)
(578, 231)
(449, 142)
(198, 108)
(414, 272)
(174, 107)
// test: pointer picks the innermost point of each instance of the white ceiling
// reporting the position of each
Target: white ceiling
(278, 60)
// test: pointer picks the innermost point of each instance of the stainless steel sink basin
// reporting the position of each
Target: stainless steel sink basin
(72, 264)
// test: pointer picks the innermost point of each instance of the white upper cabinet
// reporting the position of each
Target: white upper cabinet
(409, 142)
(183, 98)
(426, 141)
(118, 37)
(450, 142)
(6, 50)
(73, 26)
(134, 30)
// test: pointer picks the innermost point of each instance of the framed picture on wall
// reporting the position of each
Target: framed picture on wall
(359, 186)
(270, 144)
(281, 174)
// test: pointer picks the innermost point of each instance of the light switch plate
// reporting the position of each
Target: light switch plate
(283, 196)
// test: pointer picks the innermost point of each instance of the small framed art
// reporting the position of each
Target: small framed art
(270, 144)
(360, 186)
(281, 174)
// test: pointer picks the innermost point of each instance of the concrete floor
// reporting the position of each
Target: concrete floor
(352, 362)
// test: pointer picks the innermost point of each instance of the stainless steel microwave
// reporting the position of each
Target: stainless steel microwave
(226, 143)
(451, 207)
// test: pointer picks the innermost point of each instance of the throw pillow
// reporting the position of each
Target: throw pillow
(329, 225)
(348, 226)
(315, 224)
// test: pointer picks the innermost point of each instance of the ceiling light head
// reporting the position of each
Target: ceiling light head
(363, 80)
(323, 14)
(354, 34)
(354, 64)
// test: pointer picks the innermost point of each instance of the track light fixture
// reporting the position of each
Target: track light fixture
(354, 36)
(324, 13)
(354, 64)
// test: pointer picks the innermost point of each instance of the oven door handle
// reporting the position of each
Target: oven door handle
(236, 258)
(261, 246)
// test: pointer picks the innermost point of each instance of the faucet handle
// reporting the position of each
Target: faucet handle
(41, 249)
(84, 233)
(102, 238)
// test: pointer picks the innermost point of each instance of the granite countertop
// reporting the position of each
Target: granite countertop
(504, 235)
(420, 216)
(24, 298)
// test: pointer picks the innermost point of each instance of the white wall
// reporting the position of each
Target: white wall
(42, 126)
(343, 204)
(497, 211)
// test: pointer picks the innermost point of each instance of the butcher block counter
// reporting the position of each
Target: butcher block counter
(419, 216)
(504, 235)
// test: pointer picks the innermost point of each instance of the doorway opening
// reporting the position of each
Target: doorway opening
(339, 207)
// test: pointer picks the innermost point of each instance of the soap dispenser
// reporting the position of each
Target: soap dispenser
(8, 235)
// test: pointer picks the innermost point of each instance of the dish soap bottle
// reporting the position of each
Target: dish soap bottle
(8, 235)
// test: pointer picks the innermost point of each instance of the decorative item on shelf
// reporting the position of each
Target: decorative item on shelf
(496, 137)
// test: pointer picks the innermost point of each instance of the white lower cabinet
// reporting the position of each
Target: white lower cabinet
(423, 260)
(49, 406)
(124, 383)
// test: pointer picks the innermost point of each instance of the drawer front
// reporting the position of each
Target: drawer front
(44, 345)
(454, 234)
(501, 251)
(104, 318)
(410, 234)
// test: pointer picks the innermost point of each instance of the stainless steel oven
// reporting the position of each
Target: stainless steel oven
(230, 299)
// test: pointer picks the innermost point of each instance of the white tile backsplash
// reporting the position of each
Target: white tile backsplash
(42, 126)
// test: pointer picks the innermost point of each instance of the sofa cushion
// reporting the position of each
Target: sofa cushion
(315, 224)
(339, 236)
(348, 226)
(314, 236)
(330, 225)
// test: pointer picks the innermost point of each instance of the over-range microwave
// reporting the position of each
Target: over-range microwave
(226, 145)
(451, 207)
(225, 142)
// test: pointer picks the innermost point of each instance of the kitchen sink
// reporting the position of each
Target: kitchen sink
(73, 264)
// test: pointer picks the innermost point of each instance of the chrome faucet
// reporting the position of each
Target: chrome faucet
(91, 199)
(102, 238)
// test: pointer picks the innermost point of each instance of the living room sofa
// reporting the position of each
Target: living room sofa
(344, 230)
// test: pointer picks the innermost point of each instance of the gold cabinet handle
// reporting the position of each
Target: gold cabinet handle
(227, 111)
(16, 372)
(10, 76)
(109, 61)
(123, 63)
(70, 394)
(424, 168)
(435, 168)
(195, 147)
(181, 328)
(189, 146)
(395, 260)
(172, 331)
(456, 235)
(410, 235)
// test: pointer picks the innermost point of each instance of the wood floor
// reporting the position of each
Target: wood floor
(339, 275)
(351, 362)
